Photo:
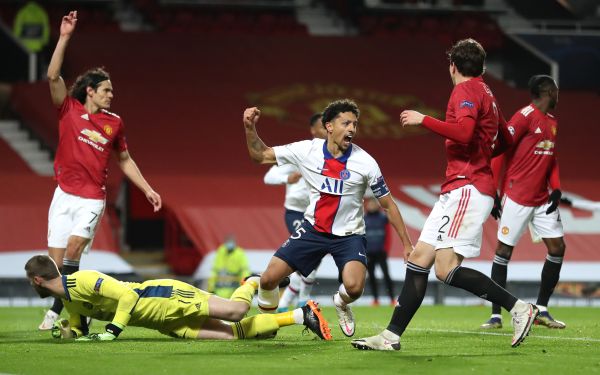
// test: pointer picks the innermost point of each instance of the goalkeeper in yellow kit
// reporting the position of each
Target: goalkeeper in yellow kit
(172, 307)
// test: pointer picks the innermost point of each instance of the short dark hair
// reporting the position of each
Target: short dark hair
(43, 266)
(540, 83)
(92, 78)
(333, 109)
(468, 56)
(315, 118)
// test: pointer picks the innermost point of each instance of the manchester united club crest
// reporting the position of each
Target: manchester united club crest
(108, 129)
(505, 230)
(554, 131)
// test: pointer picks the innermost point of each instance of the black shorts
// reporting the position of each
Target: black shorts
(306, 247)
(293, 220)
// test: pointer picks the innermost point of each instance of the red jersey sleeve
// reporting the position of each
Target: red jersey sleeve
(460, 132)
(66, 105)
(554, 179)
(498, 168)
(504, 140)
(518, 126)
(120, 144)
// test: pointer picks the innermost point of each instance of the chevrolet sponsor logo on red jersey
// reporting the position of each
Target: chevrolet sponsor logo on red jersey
(93, 138)
(545, 147)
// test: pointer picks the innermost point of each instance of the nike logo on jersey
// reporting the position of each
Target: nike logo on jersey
(538, 131)
(361, 254)
(322, 169)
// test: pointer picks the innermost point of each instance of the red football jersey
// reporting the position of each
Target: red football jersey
(531, 160)
(470, 163)
(85, 142)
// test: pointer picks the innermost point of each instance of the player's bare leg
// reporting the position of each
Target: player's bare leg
(353, 284)
(268, 292)
(550, 276)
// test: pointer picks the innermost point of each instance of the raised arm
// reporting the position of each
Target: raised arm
(58, 89)
(395, 218)
(460, 132)
(259, 152)
(131, 170)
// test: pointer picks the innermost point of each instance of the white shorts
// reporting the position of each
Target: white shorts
(515, 219)
(456, 221)
(70, 215)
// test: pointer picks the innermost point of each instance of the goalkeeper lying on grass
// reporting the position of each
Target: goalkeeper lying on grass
(172, 307)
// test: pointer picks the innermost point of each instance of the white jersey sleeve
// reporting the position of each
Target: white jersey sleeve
(278, 174)
(376, 181)
(292, 153)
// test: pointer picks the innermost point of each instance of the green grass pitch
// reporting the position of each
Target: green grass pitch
(440, 340)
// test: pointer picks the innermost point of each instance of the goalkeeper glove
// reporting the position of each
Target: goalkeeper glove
(554, 199)
(62, 329)
(112, 331)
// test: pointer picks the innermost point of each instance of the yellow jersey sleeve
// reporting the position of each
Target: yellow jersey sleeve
(92, 283)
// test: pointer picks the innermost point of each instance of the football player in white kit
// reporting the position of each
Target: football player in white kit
(338, 173)
(296, 201)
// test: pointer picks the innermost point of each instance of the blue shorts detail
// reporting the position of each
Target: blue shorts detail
(293, 220)
(306, 247)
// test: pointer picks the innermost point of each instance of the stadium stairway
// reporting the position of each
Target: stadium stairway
(149, 264)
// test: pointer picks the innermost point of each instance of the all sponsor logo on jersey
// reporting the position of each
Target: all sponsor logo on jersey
(331, 185)
(545, 147)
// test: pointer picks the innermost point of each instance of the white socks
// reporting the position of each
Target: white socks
(268, 300)
(341, 298)
(298, 316)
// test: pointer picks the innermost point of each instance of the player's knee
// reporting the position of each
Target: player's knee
(504, 251)
(557, 249)
(268, 282)
(441, 273)
(354, 289)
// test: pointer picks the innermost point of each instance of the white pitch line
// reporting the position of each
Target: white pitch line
(504, 334)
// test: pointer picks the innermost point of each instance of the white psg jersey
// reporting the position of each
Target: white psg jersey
(296, 194)
(337, 186)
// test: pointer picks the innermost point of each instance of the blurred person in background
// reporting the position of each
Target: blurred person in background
(229, 268)
(377, 233)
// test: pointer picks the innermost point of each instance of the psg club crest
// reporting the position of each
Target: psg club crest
(345, 174)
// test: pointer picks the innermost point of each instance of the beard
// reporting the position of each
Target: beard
(41, 291)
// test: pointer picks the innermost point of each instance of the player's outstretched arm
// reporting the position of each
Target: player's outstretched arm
(131, 170)
(395, 218)
(127, 298)
(58, 89)
(259, 152)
